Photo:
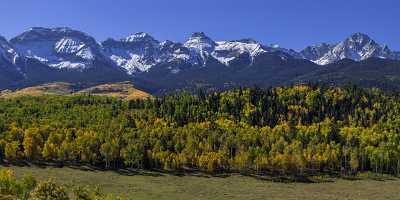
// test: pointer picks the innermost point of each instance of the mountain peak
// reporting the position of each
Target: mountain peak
(200, 42)
(358, 46)
(360, 38)
(41, 33)
(359, 35)
(59, 47)
(59, 29)
(139, 37)
(199, 35)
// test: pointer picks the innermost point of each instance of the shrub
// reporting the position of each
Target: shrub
(49, 190)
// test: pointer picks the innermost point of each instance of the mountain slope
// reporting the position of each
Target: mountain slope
(124, 90)
(372, 72)
(267, 69)
(58, 88)
(10, 71)
(316, 52)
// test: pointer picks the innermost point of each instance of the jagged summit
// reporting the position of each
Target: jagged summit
(199, 35)
(199, 41)
(65, 29)
(357, 47)
(136, 39)
(361, 42)
(61, 48)
(359, 37)
(229, 51)
(39, 33)
(140, 37)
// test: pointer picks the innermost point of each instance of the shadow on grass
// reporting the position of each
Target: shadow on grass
(290, 179)
(270, 176)
(372, 177)
(138, 172)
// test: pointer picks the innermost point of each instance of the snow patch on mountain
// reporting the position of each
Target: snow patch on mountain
(139, 52)
(7, 51)
(176, 52)
(315, 52)
(74, 46)
(227, 51)
(136, 53)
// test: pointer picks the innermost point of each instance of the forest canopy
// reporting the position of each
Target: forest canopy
(288, 130)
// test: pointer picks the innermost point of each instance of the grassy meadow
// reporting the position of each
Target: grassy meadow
(153, 185)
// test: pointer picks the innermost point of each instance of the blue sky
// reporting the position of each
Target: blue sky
(289, 23)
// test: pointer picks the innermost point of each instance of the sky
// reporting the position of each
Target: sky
(289, 23)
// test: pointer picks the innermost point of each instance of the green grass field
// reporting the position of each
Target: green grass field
(153, 185)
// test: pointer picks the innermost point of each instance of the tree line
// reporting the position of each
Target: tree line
(299, 130)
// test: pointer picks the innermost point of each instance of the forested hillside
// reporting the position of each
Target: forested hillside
(292, 130)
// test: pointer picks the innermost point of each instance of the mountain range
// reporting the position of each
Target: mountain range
(43, 55)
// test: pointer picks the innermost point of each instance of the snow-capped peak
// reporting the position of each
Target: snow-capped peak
(359, 38)
(58, 47)
(358, 46)
(40, 33)
(140, 37)
(228, 51)
(241, 46)
(137, 52)
(199, 41)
